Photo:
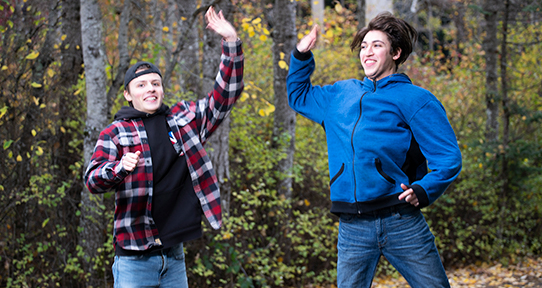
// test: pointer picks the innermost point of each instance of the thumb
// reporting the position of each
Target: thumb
(403, 186)
(138, 153)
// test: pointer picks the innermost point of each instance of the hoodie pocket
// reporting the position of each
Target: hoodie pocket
(378, 165)
(337, 175)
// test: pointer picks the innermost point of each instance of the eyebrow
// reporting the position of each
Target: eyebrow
(377, 40)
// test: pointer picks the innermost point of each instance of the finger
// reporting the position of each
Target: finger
(403, 195)
(137, 153)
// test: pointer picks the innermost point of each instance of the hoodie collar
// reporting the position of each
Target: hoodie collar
(382, 83)
(127, 112)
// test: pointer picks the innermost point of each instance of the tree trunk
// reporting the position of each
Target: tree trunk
(189, 78)
(361, 14)
(124, 56)
(490, 44)
(376, 6)
(92, 235)
(284, 41)
(219, 144)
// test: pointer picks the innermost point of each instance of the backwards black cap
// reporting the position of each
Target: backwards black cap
(131, 73)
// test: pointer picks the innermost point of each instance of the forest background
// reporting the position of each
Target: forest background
(61, 69)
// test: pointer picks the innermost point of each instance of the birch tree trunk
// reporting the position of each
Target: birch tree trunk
(219, 144)
(124, 55)
(284, 41)
(361, 14)
(189, 78)
(490, 45)
(376, 6)
(92, 235)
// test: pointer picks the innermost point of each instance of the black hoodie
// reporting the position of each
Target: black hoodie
(175, 207)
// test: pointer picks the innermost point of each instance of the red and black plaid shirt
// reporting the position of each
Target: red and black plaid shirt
(191, 123)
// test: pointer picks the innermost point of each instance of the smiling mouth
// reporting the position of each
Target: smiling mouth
(154, 98)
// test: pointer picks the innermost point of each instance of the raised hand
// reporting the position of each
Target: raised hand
(219, 24)
(309, 41)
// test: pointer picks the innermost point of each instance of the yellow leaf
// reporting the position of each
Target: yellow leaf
(63, 37)
(35, 85)
(244, 96)
(34, 132)
(307, 203)
(165, 29)
(329, 33)
(257, 20)
(51, 73)
(62, 129)
(19, 158)
(183, 18)
(316, 2)
(263, 37)
(32, 55)
(282, 55)
(280, 259)
(4, 67)
(77, 92)
(245, 26)
(267, 110)
(36, 101)
(3, 111)
(42, 106)
(251, 34)
(283, 65)
(339, 8)
(266, 32)
(40, 152)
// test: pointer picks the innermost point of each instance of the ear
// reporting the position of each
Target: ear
(127, 96)
(397, 54)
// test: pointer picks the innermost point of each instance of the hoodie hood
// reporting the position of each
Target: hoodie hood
(127, 112)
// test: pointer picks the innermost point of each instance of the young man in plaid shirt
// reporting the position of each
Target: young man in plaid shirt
(153, 157)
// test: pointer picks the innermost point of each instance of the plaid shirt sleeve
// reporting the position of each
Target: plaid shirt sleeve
(228, 87)
(197, 120)
(105, 170)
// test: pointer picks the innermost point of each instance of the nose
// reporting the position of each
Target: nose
(369, 50)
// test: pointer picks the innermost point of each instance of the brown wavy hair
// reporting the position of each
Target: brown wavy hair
(400, 34)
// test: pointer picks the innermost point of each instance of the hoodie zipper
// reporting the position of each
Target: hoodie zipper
(354, 151)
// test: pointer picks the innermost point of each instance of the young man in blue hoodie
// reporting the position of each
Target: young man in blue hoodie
(384, 135)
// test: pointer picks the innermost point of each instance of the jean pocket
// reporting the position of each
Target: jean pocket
(347, 217)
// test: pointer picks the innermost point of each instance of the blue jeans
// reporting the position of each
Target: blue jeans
(401, 235)
(157, 269)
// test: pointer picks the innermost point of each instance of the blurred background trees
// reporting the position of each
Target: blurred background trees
(479, 57)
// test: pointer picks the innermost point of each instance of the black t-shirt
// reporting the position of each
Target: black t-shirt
(176, 209)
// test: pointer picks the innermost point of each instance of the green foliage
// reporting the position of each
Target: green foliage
(492, 212)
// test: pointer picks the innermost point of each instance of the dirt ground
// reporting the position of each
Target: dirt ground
(526, 273)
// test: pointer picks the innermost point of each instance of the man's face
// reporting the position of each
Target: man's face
(375, 55)
(146, 93)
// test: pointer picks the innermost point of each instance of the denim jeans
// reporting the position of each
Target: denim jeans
(401, 235)
(157, 269)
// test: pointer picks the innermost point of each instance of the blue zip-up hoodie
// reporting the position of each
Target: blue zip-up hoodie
(380, 134)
